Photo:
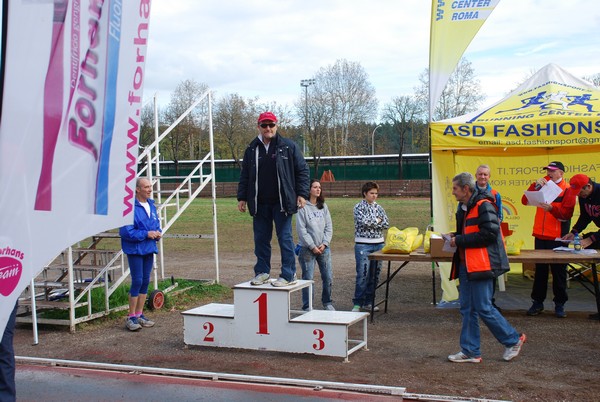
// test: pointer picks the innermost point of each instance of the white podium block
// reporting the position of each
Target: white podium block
(261, 319)
(209, 325)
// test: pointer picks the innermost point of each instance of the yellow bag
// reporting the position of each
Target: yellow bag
(513, 247)
(427, 241)
(418, 241)
(400, 241)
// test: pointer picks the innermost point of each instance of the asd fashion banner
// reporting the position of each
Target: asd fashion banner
(71, 100)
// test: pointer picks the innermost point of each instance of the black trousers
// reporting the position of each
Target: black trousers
(559, 276)
(7, 361)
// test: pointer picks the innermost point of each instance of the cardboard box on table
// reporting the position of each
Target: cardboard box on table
(436, 248)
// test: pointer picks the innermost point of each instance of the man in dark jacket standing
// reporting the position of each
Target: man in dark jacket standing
(274, 183)
(480, 256)
(589, 211)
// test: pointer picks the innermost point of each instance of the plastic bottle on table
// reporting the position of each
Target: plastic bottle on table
(577, 242)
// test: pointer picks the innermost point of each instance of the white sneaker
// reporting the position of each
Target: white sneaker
(260, 279)
(132, 324)
(145, 322)
(513, 351)
(330, 307)
(280, 282)
(460, 357)
(356, 309)
(368, 308)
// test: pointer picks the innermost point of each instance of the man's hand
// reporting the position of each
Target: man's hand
(242, 206)
(541, 182)
(568, 236)
(301, 202)
(585, 243)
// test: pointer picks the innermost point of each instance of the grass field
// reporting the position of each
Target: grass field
(235, 228)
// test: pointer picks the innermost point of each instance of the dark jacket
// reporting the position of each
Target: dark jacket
(589, 210)
(292, 174)
(488, 237)
(134, 238)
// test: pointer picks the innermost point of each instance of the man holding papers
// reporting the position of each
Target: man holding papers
(552, 221)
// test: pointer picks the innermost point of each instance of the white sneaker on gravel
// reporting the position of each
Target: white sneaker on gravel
(460, 357)
(145, 322)
(260, 279)
(513, 351)
(330, 307)
(132, 324)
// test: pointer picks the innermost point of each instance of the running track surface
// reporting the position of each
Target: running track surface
(35, 383)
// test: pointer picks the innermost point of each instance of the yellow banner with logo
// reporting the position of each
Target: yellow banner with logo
(550, 113)
(453, 26)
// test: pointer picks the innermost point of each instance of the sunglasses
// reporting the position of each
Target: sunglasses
(265, 125)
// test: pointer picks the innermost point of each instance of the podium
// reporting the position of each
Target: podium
(261, 318)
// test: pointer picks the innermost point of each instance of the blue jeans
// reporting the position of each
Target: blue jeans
(476, 302)
(140, 267)
(367, 273)
(307, 261)
(266, 215)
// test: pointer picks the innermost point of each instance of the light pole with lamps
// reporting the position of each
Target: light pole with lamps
(306, 84)
(373, 140)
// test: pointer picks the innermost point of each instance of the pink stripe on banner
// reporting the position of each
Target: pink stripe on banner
(53, 105)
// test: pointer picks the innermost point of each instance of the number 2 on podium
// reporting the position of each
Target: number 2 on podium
(263, 326)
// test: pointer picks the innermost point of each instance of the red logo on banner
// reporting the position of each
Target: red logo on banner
(10, 273)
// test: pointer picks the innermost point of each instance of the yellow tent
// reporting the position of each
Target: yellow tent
(553, 116)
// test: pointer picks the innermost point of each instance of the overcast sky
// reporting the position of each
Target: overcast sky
(264, 48)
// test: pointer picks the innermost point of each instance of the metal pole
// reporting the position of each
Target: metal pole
(306, 84)
(373, 140)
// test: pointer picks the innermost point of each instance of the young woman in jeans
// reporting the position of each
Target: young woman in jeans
(314, 227)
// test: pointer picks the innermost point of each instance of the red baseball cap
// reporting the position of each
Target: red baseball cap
(267, 116)
(578, 181)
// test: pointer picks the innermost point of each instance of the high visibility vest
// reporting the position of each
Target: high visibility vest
(477, 259)
(545, 225)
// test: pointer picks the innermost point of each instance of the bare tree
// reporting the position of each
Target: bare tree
(147, 125)
(594, 79)
(461, 95)
(185, 139)
(346, 96)
(402, 113)
(234, 125)
(340, 100)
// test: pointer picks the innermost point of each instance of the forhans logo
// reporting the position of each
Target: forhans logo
(10, 273)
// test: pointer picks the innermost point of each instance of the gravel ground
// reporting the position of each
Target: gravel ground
(407, 346)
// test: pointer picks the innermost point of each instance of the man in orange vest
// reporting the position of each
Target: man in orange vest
(552, 221)
(480, 256)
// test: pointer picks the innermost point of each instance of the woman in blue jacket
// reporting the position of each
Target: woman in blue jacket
(139, 243)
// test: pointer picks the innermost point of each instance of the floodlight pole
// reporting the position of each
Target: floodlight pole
(373, 140)
(306, 83)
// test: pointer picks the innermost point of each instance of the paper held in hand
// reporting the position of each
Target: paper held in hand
(546, 194)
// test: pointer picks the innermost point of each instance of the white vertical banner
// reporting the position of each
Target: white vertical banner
(69, 125)
(454, 24)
